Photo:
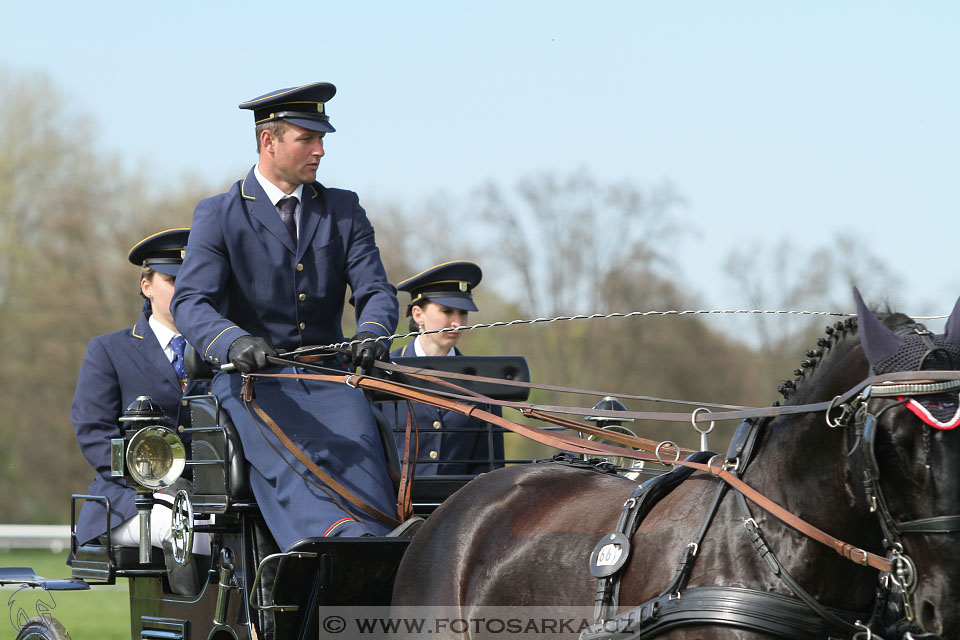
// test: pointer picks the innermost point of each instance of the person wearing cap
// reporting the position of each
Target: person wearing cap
(449, 442)
(117, 368)
(266, 271)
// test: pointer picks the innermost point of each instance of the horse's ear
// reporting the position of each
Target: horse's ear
(952, 329)
(879, 342)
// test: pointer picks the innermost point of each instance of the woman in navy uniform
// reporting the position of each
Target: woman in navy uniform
(117, 368)
(441, 298)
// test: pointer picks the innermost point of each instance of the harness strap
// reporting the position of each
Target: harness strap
(775, 614)
(643, 498)
(685, 567)
(939, 524)
(770, 558)
(608, 587)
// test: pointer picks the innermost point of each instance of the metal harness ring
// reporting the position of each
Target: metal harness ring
(660, 459)
(835, 423)
(722, 467)
(693, 420)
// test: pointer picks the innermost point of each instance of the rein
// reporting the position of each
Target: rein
(715, 466)
(735, 412)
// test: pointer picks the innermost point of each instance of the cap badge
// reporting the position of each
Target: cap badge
(463, 286)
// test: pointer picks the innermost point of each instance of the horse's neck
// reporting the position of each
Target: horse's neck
(801, 462)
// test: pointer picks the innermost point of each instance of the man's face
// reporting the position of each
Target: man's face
(293, 158)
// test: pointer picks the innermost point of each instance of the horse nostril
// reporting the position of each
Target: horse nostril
(928, 618)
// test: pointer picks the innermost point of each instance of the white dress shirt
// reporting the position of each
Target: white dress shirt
(276, 195)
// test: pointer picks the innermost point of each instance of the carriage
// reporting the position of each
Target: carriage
(246, 587)
(831, 516)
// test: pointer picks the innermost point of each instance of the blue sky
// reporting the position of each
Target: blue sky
(773, 120)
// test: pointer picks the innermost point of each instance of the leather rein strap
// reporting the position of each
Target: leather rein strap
(555, 440)
(734, 412)
(848, 551)
(569, 443)
(311, 466)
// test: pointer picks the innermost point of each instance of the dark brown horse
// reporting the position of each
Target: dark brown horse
(524, 535)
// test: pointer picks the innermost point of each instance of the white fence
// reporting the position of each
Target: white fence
(55, 537)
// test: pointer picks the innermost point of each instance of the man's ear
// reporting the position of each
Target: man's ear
(267, 140)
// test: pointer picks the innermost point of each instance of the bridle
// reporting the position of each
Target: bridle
(857, 413)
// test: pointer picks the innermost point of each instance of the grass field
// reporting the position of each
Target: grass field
(101, 613)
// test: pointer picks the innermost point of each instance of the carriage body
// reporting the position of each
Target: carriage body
(246, 587)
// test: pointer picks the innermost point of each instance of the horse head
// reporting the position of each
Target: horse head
(911, 456)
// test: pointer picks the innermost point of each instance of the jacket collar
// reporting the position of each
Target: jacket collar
(311, 210)
(153, 355)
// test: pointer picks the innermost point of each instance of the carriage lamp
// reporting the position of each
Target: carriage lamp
(155, 457)
(150, 456)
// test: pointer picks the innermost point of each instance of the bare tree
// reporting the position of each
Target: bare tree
(68, 215)
(814, 278)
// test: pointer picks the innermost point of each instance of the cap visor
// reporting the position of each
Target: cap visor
(312, 125)
(166, 269)
(464, 304)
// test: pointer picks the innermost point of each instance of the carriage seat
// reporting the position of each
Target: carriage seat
(237, 468)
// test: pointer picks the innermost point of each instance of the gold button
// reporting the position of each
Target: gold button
(303, 325)
(302, 297)
(180, 428)
(433, 455)
(437, 424)
(183, 403)
(300, 267)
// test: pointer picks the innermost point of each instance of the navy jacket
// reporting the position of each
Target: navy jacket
(242, 274)
(471, 448)
(117, 368)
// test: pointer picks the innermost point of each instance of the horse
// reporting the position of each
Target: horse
(530, 535)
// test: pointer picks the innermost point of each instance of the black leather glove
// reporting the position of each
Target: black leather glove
(249, 353)
(363, 355)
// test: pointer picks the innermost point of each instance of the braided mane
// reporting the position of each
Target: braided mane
(839, 337)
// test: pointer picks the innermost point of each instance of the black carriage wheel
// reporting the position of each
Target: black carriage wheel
(43, 629)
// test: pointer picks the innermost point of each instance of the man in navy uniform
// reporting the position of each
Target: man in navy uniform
(266, 269)
(450, 443)
(117, 368)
